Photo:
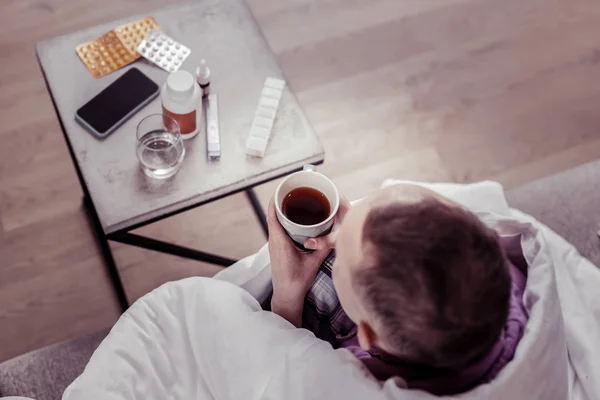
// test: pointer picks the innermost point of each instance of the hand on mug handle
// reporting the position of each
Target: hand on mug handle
(328, 241)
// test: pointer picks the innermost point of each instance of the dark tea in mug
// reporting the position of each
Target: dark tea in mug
(306, 206)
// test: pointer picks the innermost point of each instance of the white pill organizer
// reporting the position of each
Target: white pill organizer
(264, 117)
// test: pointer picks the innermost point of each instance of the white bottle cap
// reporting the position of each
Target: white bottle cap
(180, 85)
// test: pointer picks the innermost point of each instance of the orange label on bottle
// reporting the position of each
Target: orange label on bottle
(186, 122)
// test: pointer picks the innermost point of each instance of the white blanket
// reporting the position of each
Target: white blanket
(202, 338)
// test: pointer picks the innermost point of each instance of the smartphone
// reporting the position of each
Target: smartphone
(117, 103)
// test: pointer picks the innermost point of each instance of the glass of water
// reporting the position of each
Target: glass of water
(159, 146)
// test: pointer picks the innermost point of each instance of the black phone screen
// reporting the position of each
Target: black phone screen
(114, 103)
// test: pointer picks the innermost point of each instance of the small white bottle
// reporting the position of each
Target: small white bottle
(181, 98)
(203, 77)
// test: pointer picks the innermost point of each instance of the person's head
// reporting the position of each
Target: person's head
(423, 278)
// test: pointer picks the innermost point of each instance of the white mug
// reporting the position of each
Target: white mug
(308, 177)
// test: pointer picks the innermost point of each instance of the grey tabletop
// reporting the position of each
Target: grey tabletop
(226, 34)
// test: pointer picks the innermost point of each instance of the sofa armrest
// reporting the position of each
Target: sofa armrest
(569, 203)
(44, 374)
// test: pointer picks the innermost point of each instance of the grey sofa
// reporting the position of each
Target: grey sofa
(568, 202)
(45, 374)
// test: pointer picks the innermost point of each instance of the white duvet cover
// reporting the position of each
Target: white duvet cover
(202, 338)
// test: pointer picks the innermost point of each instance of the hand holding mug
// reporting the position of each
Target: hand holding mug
(293, 270)
(306, 205)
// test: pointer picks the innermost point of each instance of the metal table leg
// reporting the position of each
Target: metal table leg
(258, 211)
(170, 248)
(157, 245)
(106, 252)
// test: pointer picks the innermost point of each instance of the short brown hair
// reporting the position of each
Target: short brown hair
(438, 282)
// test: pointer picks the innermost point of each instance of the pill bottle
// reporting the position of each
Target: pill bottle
(181, 100)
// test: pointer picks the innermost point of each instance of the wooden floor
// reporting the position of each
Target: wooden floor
(450, 90)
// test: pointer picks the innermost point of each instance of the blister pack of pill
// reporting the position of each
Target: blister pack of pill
(163, 51)
(116, 48)
(264, 117)
(132, 34)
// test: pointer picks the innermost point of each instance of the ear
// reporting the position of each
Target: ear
(366, 335)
